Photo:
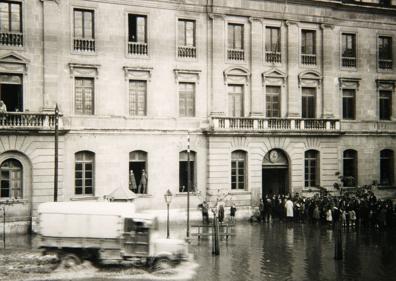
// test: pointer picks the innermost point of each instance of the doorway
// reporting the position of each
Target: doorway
(11, 92)
(275, 173)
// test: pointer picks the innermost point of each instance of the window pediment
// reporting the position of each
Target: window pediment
(86, 70)
(137, 73)
(385, 85)
(274, 77)
(349, 83)
(309, 78)
(187, 75)
(14, 63)
(236, 75)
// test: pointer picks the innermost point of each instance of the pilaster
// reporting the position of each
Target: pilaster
(294, 93)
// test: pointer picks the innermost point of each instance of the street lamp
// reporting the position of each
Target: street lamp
(168, 200)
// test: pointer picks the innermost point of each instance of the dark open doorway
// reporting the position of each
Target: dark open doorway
(11, 95)
(275, 181)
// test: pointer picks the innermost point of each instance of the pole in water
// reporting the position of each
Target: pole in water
(338, 241)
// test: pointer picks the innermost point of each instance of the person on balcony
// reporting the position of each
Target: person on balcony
(3, 107)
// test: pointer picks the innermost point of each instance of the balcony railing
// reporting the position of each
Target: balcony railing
(25, 120)
(273, 57)
(348, 62)
(236, 54)
(186, 52)
(11, 39)
(138, 48)
(274, 124)
(84, 45)
(308, 59)
(385, 64)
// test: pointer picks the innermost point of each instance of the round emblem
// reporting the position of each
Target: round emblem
(274, 156)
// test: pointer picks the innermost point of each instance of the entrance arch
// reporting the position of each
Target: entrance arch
(275, 173)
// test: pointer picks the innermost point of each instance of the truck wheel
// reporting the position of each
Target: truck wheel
(162, 264)
(70, 260)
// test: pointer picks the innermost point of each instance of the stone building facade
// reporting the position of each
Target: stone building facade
(276, 97)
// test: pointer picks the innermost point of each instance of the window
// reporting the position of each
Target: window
(84, 173)
(312, 168)
(11, 92)
(137, 35)
(386, 167)
(186, 38)
(348, 51)
(138, 179)
(235, 42)
(84, 96)
(11, 24)
(183, 166)
(385, 58)
(348, 104)
(308, 47)
(308, 103)
(238, 166)
(385, 105)
(235, 100)
(11, 179)
(350, 168)
(273, 101)
(272, 45)
(84, 35)
(186, 99)
(137, 98)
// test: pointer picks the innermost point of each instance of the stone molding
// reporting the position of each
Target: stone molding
(274, 77)
(309, 78)
(385, 84)
(87, 70)
(238, 74)
(187, 75)
(349, 83)
(13, 63)
(137, 73)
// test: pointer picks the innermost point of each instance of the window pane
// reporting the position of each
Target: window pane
(141, 29)
(190, 33)
(187, 99)
(137, 98)
(16, 17)
(84, 95)
(181, 32)
(78, 24)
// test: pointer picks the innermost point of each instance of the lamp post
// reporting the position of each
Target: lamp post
(188, 186)
(168, 200)
(56, 153)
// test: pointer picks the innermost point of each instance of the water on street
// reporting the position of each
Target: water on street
(277, 251)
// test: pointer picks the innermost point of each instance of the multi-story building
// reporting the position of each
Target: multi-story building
(277, 97)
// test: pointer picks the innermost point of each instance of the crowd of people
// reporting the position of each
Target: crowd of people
(351, 210)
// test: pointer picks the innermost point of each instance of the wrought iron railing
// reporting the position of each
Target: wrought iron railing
(11, 39)
(186, 52)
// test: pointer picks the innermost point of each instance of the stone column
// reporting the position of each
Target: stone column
(329, 86)
(294, 93)
(256, 60)
(217, 89)
(51, 16)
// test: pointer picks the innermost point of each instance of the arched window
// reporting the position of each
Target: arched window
(386, 167)
(350, 168)
(84, 173)
(312, 168)
(138, 171)
(238, 169)
(11, 179)
(183, 166)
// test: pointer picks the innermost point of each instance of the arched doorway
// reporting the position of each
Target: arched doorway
(11, 186)
(275, 173)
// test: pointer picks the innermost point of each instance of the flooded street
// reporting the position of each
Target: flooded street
(276, 251)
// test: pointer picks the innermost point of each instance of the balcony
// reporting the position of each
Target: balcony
(385, 64)
(27, 121)
(186, 52)
(273, 57)
(138, 48)
(308, 59)
(236, 54)
(349, 62)
(11, 39)
(283, 125)
(84, 45)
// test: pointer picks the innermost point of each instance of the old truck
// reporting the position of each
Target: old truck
(104, 232)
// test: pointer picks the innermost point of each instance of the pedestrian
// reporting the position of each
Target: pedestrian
(233, 210)
(221, 213)
(289, 209)
(143, 183)
(329, 216)
(205, 212)
(316, 214)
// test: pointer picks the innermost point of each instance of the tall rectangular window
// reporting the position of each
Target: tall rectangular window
(238, 159)
(385, 57)
(348, 50)
(84, 172)
(183, 171)
(348, 104)
(308, 47)
(308, 103)
(84, 30)
(235, 100)
(137, 34)
(386, 167)
(137, 97)
(84, 96)
(186, 99)
(186, 38)
(11, 23)
(272, 45)
(311, 168)
(350, 168)
(273, 101)
(235, 44)
(385, 105)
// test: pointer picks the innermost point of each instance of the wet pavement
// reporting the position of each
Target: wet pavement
(277, 251)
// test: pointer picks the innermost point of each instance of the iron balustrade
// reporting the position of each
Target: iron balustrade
(84, 45)
(27, 120)
(273, 57)
(11, 39)
(309, 59)
(278, 124)
(138, 48)
(385, 64)
(348, 61)
(186, 52)
(236, 54)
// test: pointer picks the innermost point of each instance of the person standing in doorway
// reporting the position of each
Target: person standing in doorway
(143, 183)
(3, 107)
